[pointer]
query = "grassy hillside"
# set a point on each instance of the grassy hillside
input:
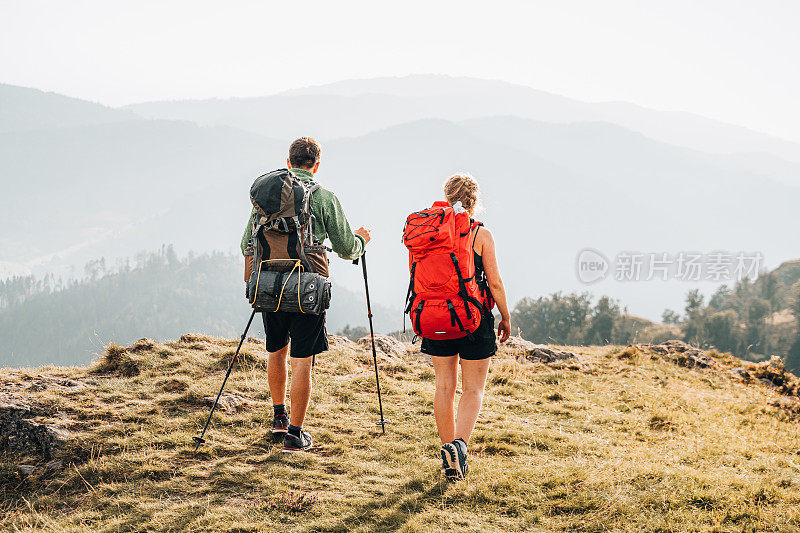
(622, 439)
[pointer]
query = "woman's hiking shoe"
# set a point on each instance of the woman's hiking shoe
(280, 425)
(448, 457)
(454, 460)
(293, 443)
(461, 448)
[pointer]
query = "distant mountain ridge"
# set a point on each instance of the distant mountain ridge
(550, 189)
(25, 108)
(355, 107)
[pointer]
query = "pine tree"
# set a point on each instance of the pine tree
(694, 331)
(793, 357)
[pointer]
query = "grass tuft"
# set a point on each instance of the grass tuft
(118, 360)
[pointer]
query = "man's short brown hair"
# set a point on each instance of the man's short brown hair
(304, 153)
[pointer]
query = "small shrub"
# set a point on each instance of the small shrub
(289, 503)
(117, 360)
(173, 385)
(661, 423)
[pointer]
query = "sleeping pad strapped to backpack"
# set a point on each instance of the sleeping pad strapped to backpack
(444, 300)
(289, 268)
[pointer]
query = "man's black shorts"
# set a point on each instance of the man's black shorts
(307, 332)
(480, 345)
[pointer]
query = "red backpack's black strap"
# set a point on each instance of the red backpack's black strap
(475, 226)
(454, 316)
(462, 284)
(410, 295)
(419, 313)
(418, 223)
(462, 291)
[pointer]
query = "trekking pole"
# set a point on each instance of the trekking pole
(382, 422)
(200, 440)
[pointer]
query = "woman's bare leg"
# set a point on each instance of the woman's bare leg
(446, 370)
(473, 381)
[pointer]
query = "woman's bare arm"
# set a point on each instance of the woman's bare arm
(485, 242)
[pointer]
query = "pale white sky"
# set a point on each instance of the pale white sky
(733, 60)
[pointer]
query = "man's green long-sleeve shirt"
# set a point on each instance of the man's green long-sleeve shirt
(330, 222)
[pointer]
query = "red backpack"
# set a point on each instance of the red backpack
(443, 300)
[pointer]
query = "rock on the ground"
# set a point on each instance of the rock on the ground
(540, 353)
(341, 343)
(50, 466)
(384, 344)
(790, 404)
(773, 374)
(518, 343)
(230, 403)
(25, 430)
(682, 354)
(27, 470)
(50, 382)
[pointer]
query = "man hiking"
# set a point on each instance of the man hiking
(306, 331)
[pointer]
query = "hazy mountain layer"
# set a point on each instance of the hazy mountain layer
(549, 189)
(355, 107)
(24, 108)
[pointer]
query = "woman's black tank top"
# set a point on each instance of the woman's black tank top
(480, 273)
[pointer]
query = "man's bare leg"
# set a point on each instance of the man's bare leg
(300, 391)
(276, 375)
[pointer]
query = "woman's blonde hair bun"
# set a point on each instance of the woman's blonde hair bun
(463, 187)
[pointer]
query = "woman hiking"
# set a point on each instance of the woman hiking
(473, 351)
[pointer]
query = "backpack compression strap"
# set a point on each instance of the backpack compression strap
(411, 295)
(305, 232)
(462, 291)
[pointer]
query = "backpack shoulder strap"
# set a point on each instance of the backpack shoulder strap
(475, 227)
(312, 186)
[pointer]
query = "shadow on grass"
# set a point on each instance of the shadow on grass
(410, 499)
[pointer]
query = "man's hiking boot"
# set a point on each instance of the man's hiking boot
(293, 443)
(454, 460)
(280, 424)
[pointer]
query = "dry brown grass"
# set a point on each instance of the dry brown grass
(635, 443)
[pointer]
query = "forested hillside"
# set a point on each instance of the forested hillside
(47, 320)
(751, 319)
(573, 319)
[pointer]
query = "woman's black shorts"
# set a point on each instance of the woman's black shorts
(481, 344)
